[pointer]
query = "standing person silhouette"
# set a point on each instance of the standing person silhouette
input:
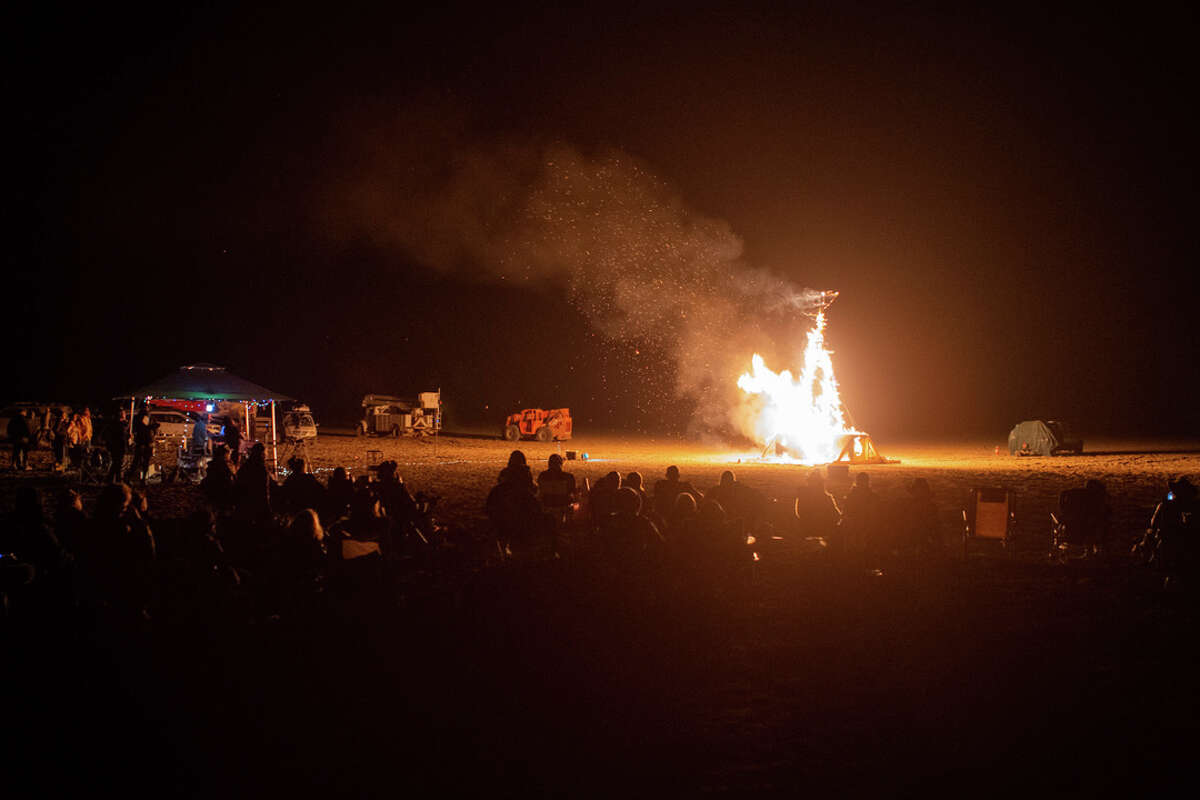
(233, 441)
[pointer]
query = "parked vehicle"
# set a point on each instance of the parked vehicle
(545, 425)
(1037, 437)
(297, 424)
(172, 424)
(386, 415)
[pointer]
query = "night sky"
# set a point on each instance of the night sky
(335, 202)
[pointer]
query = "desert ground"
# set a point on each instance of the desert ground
(461, 469)
(999, 675)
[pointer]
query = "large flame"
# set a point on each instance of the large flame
(803, 416)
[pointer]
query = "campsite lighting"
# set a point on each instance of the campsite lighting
(802, 416)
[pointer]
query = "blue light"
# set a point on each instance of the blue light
(1170, 495)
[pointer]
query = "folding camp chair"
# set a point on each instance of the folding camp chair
(1080, 524)
(191, 463)
(989, 519)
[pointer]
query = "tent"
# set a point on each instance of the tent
(1037, 437)
(210, 382)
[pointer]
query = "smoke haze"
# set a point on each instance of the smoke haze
(638, 263)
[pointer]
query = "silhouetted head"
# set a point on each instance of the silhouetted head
(628, 501)
(555, 461)
(727, 478)
(340, 475)
(673, 473)
(70, 499)
(203, 521)
(113, 501)
(685, 504)
(364, 504)
(307, 525)
(919, 488)
(711, 511)
(1095, 486)
(634, 481)
(816, 480)
(387, 471)
(1183, 489)
(517, 459)
(862, 480)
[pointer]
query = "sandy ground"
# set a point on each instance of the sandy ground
(460, 469)
(991, 677)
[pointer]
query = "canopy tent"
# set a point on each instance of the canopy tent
(208, 382)
(211, 382)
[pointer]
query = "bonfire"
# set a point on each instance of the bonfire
(802, 419)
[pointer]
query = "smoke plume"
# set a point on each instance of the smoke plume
(633, 258)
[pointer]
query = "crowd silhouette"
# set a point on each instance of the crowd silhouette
(271, 549)
(331, 592)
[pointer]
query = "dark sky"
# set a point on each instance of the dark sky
(1006, 203)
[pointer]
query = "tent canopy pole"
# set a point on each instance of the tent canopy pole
(274, 441)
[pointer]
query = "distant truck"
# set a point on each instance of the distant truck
(1036, 437)
(386, 415)
(545, 425)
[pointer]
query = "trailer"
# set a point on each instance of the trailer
(388, 415)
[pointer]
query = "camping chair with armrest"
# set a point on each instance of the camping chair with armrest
(1079, 525)
(989, 519)
(192, 462)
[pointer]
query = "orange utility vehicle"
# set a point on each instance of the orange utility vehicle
(545, 425)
